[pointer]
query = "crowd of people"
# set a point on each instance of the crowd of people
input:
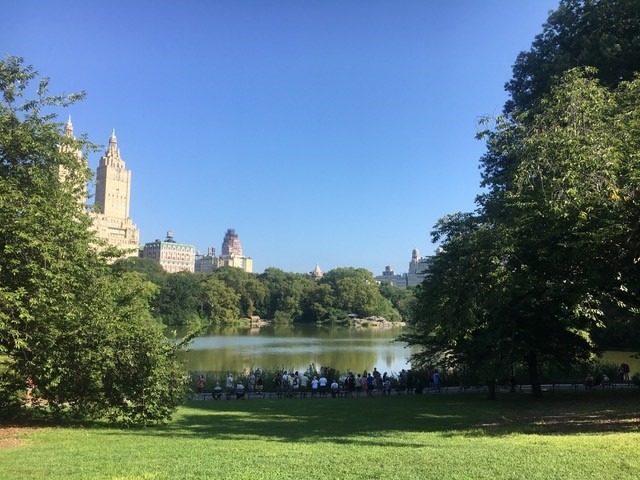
(306, 384)
(288, 384)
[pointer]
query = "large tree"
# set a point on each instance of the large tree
(85, 337)
(528, 277)
(181, 299)
(356, 291)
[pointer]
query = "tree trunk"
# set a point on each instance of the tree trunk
(534, 375)
(492, 389)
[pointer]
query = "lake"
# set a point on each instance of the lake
(296, 346)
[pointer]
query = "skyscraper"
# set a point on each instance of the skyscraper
(231, 244)
(113, 188)
(232, 253)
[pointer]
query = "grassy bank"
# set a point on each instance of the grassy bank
(590, 435)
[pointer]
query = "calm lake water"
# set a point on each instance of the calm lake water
(297, 346)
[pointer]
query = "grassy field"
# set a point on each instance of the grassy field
(565, 436)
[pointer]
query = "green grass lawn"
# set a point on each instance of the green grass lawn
(565, 436)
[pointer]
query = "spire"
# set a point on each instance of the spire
(113, 153)
(68, 129)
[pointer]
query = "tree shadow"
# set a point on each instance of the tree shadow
(387, 421)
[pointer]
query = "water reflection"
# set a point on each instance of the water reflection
(297, 346)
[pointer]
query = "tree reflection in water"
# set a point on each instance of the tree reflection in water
(297, 346)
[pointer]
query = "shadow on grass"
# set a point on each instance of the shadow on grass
(387, 421)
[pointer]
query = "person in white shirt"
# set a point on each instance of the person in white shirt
(322, 385)
(335, 388)
(230, 383)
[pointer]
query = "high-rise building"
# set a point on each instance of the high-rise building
(113, 188)
(206, 263)
(231, 244)
(171, 255)
(232, 253)
(63, 172)
(418, 268)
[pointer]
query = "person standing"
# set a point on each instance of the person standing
(322, 385)
(351, 384)
(230, 386)
(252, 382)
(436, 379)
(304, 383)
(363, 383)
(200, 386)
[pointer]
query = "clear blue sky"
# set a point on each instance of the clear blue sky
(329, 132)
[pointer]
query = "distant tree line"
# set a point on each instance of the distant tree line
(230, 294)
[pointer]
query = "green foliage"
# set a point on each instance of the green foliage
(222, 301)
(253, 293)
(580, 33)
(528, 278)
(229, 294)
(286, 294)
(356, 291)
(85, 337)
(181, 299)
(150, 268)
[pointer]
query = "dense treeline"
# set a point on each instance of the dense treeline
(230, 294)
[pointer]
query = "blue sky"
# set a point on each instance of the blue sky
(325, 132)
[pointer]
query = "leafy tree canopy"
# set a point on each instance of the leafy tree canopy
(84, 336)
(580, 33)
(527, 278)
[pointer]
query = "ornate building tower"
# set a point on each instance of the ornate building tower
(316, 274)
(231, 244)
(113, 182)
(63, 173)
(232, 253)
(113, 188)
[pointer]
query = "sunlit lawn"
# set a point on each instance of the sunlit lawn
(585, 435)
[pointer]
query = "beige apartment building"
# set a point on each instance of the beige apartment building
(113, 191)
